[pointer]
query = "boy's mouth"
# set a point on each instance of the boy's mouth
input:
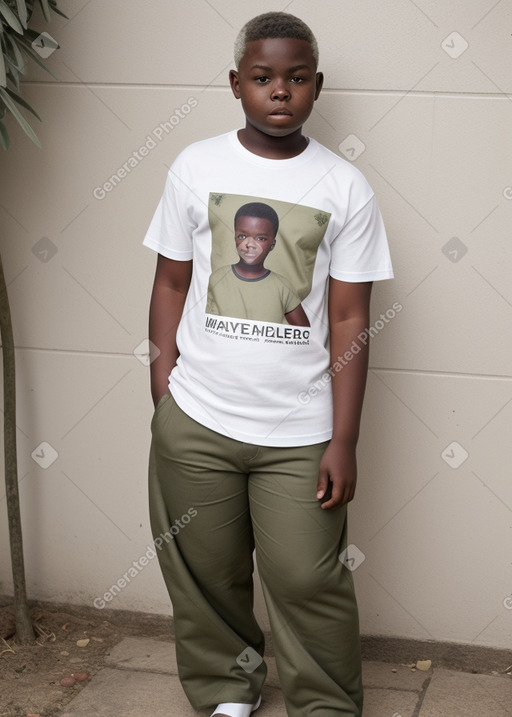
(281, 111)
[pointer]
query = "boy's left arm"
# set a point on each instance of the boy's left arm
(349, 315)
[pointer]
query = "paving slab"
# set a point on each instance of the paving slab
(394, 676)
(150, 655)
(139, 694)
(390, 703)
(141, 679)
(144, 653)
(131, 694)
(460, 694)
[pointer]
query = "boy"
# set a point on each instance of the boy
(238, 290)
(231, 439)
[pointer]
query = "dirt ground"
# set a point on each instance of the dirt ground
(30, 676)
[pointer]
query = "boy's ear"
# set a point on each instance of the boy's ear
(319, 84)
(234, 81)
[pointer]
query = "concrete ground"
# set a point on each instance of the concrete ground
(141, 679)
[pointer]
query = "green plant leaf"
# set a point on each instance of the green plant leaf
(14, 77)
(3, 76)
(12, 73)
(22, 12)
(57, 11)
(4, 137)
(19, 117)
(10, 17)
(20, 62)
(23, 103)
(46, 10)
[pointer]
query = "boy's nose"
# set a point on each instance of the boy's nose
(279, 92)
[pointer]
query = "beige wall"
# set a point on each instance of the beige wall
(436, 132)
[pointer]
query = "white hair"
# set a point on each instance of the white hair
(273, 25)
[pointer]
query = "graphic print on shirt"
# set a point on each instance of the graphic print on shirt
(262, 261)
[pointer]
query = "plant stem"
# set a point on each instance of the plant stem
(24, 630)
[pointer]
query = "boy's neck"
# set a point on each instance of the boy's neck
(265, 145)
(246, 271)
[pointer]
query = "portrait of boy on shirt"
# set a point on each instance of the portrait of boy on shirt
(248, 289)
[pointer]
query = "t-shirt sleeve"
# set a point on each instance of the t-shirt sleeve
(360, 251)
(170, 230)
(290, 299)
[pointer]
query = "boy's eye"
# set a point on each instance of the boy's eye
(241, 236)
(261, 80)
(297, 80)
(261, 238)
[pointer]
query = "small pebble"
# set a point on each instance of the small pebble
(64, 653)
(67, 681)
(424, 665)
(83, 643)
(34, 715)
(75, 660)
(81, 676)
(394, 669)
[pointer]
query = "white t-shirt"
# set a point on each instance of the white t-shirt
(262, 382)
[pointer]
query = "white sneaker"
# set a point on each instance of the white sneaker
(236, 709)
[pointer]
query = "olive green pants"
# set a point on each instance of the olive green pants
(213, 500)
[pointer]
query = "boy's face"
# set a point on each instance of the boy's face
(278, 84)
(254, 238)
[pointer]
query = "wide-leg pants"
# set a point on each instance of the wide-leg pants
(213, 500)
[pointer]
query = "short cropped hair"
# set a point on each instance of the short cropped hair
(261, 211)
(272, 25)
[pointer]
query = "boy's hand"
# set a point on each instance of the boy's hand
(337, 475)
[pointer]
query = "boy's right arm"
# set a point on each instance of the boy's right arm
(172, 280)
